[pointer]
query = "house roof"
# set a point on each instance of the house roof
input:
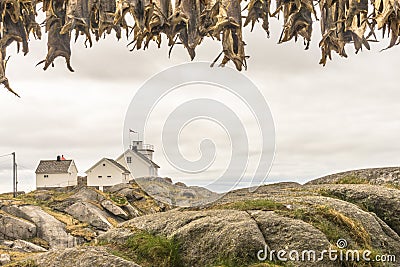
(149, 161)
(113, 162)
(53, 166)
(122, 168)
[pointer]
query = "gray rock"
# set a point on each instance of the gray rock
(384, 202)
(206, 236)
(114, 209)
(48, 227)
(127, 190)
(89, 213)
(87, 194)
(382, 237)
(282, 233)
(177, 194)
(118, 187)
(81, 257)
(376, 176)
(26, 246)
(116, 235)
(4, 259)
(133, 212)
(15, 228)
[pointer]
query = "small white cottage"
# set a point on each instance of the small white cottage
(107, 172)
(56, 173)
(139, 160)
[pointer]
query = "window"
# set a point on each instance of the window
(46, 176)
(104, 164)
(109, 176)
(99, 176)
(128, 159)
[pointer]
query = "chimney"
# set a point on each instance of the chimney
(58, 158)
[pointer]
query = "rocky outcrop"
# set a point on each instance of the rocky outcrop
(384, 202)
(177, 194)
(89, 213)
(15, 228)
(219, 234)
(22, 245)
(131, 191)
(207, 237)
(114, 209)
(81, 257)
(377, 176)
(231, 231)
(48, 228)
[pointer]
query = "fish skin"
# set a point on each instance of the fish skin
(78, 19)
(184, 23)
(58, 45)
(258, 9)
(228, 29)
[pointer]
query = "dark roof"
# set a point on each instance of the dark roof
(53, 166)
(122, 168)
(145, 158)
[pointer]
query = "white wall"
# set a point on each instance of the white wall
(56, 180)
(139, 167)
(108, 170)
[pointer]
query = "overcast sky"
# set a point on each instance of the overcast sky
(328, 119)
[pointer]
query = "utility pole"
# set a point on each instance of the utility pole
(14, 176)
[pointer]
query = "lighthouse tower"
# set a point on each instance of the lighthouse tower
(144, 149)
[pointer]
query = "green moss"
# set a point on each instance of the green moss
(119, 200)
(149, 250)
(256, 204)
(333, 224)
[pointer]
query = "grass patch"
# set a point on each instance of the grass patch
(149, 250)
(14, 254)
(119, 200)
(333, 224)
(72, 225)
(392, 186)
(351, 179)
(112, 221)
(40, 242)
(255, 204)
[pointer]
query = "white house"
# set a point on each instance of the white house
(107, 172)
(56, 173)
(139, 160)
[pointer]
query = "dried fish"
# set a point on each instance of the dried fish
(297, 20)
(78, 19)
(13, 26)
(102, 18)
(386, 17)
(342, 22)
(58, 45)
(141, 11)
(184, 23)
(3, 78)
(258, 9)
(229, 25)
